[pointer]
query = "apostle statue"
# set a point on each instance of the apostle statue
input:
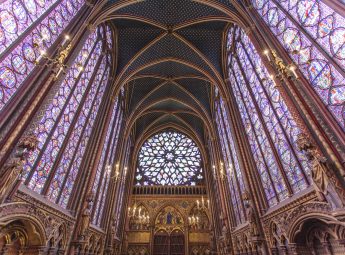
(86, 216)
(319, 169)
(14, 166)
(254, 231)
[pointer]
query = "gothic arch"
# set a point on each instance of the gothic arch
(297, 224)
(160, 226)
(22, 233)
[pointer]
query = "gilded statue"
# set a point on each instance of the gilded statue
(14, 166)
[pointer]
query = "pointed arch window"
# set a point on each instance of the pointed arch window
(22, 25)
(270, 128)
(65, 122)
(313, 34)
(231, 161)
(169, 158)
(107, 159)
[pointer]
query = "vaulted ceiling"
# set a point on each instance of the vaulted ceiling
(169, 57)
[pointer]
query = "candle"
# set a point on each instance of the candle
(59, 72)
(208, 203)
(65, 40)
(267, 53)
(80, 69)
(202, 201)
(293, 70)
(42, 54)
(197, 202)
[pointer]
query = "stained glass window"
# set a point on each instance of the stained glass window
(65, 123)
(270, 128)
(231, 161)
(107, 160)
(314, 36)
(169, 158)
(22, 25)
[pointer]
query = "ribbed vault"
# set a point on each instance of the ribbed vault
(169, 59)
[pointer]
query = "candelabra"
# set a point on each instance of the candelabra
(138, 217)
(221, 175)
(193, 221)
(203, 206)
(116, 177)
(59, 59)
(276, 62)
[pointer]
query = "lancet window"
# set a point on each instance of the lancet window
(24, 25)
(231, 161)
(65, 122)
(270, 128)
(313, 34)
(107, 162)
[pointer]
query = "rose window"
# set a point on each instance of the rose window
(169, 158)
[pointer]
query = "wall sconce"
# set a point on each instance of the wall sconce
(59, 59)
(221, 174)
(193, 221)
(116, 177)
(288, 71)
(203, 206)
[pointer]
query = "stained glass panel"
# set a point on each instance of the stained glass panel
(36, 23)
(77, 134)
(64, 125)
(169, 158)
(53, 146)
(314, 36)
(231, 163)
(56, 103)
(102, 175)
(75, 166)
(270, 128)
